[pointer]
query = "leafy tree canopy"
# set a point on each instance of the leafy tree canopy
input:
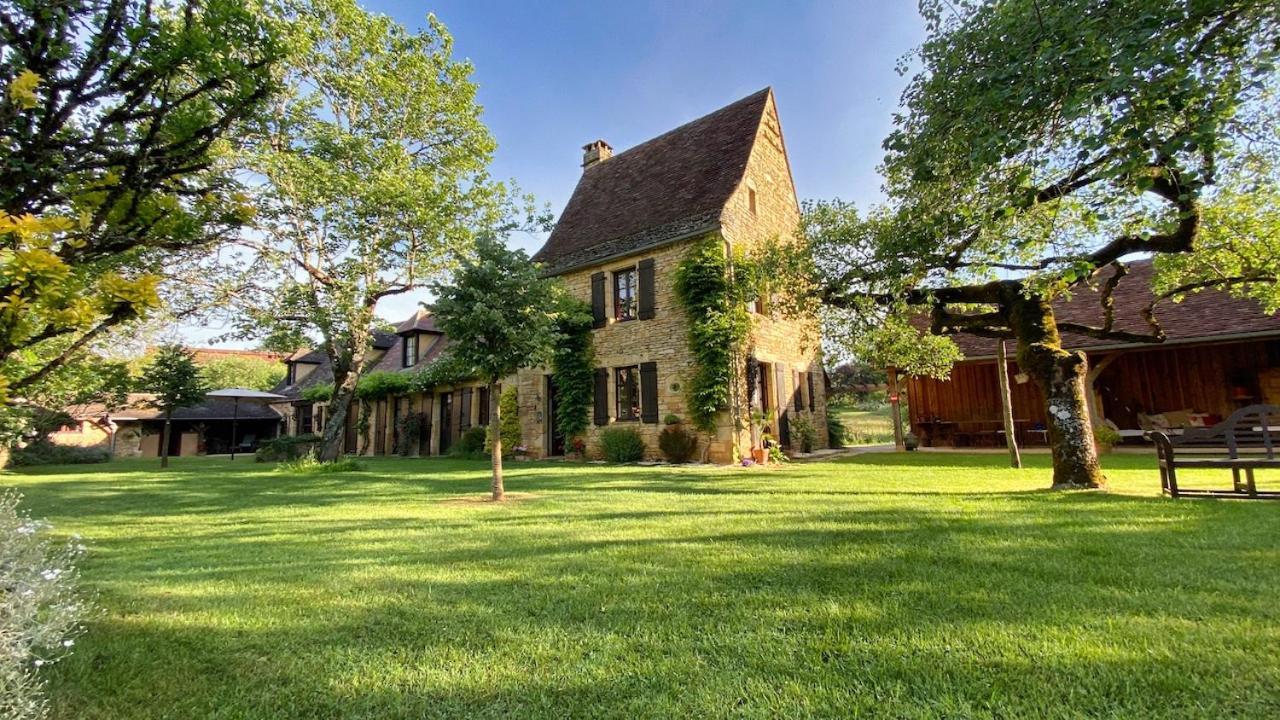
(254, 373)
(375, 168)
(114, 124)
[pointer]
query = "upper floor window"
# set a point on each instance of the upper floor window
(751, 200)
(627, 382)
(625, 294)
(410, 350)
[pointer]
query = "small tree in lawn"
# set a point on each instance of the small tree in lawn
(499, 314)
(175, 380)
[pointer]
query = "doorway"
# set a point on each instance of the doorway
(555, 438)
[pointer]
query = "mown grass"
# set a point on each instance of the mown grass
(884, 585)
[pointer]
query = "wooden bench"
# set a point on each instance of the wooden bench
(1254, 429)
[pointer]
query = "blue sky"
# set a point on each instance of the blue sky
(554, 75)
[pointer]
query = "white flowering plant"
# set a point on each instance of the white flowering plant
(41, 610)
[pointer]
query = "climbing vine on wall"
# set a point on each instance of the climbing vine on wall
(714, 292)
(572, 367)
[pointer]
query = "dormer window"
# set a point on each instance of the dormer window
(409, 351)
(625, 294)
(292, 374)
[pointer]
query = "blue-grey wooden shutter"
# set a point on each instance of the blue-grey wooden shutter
(649, 392)
(645, 268)
(597, 300)
(600, 394)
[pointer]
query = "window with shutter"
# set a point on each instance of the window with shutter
(649, 392)
(647, 298)
(626, 381)
(484, 407)
(624, 294)
(797, 398)
(597, 300)
(600, 395)
(809, 380)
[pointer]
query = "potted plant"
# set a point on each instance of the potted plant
(910, 441)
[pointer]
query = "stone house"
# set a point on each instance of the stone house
(628, 225)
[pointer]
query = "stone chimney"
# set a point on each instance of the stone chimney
(595, 152)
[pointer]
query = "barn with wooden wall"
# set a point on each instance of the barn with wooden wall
(1221, 353)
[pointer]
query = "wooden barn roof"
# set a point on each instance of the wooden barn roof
(1208, 316)
(664, 189)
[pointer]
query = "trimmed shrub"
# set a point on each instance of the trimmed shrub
(287, 447)
(43, 452)
(309, 465)
(471, 444)
(677, 444)
(804, 433)
(621, 445)
(40, 611)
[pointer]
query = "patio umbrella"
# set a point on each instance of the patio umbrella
(237, 394)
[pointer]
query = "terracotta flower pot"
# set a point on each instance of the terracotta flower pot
(760, 455)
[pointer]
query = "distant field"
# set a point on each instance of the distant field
(865, 427)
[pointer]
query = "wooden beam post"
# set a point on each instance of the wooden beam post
(899, 438)
(1006, 406)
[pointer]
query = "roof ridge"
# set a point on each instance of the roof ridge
(722, 109)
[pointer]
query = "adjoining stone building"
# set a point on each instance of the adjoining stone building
(632, 219)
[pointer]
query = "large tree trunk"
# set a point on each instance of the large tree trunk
(495, 435)
(164, 439)
(340, 405)
(1060, 377)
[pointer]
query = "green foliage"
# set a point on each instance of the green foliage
(718, 326)
(1105, 436)
(621, 445)
(114, 127)
(286, 447)
(444, 370)
(319, 393)
(804, 434)
(571, 367)
(498, 312)
(243, 372)
(174, 378)
(677, 444)
(383, 384)
(671, 419)
(308, 464)
(408, 430)
(43, 452)
(471, 443)
(837, 433)
(510, 423)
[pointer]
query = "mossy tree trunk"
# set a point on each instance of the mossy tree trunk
(1060, 375)
(345, 380)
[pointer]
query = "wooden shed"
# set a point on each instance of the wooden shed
(1221, 353)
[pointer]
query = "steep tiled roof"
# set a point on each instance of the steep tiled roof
(1202, 317)
(667, 188)
(421, 321)
(324, 371)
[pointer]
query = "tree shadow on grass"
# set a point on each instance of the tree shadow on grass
(1037, 610)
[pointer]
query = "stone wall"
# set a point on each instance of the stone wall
(661, 340)
(791, 343)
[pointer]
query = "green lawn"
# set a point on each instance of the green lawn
(894, 586)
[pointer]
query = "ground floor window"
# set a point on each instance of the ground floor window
(305, 418)
(627, 383)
